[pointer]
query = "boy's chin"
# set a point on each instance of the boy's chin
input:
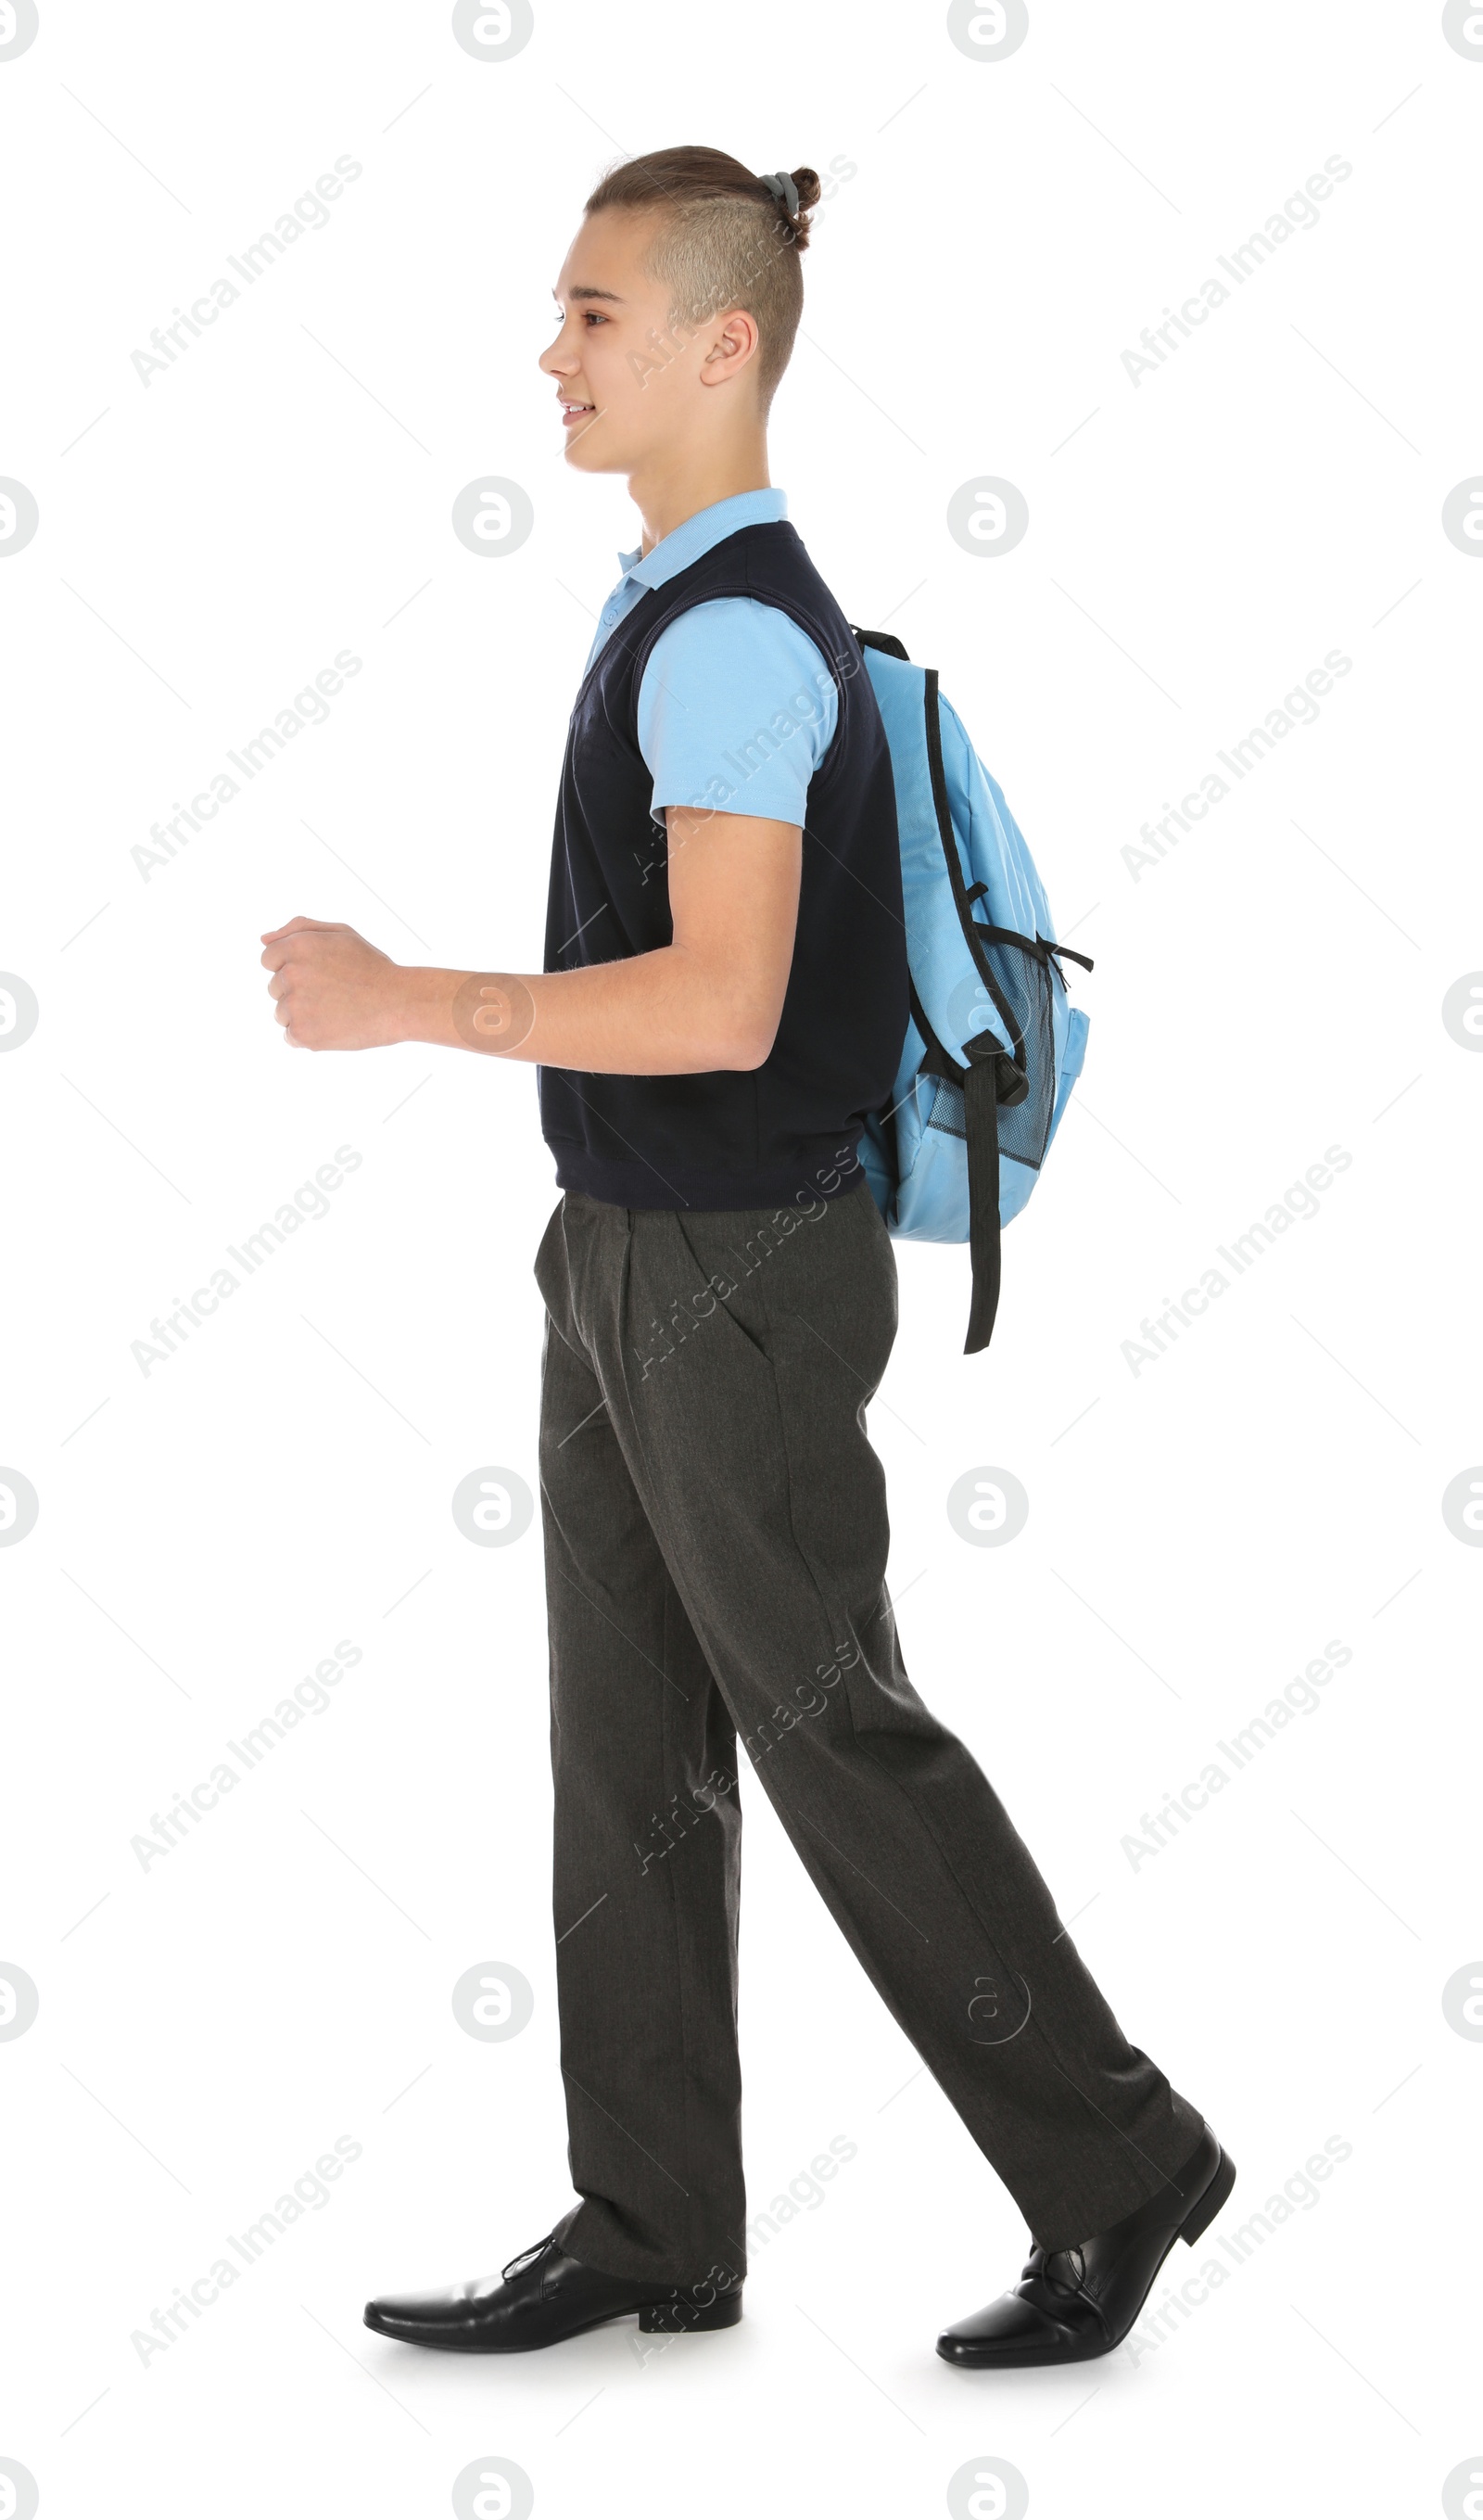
(591, 450)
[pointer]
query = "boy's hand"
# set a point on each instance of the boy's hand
(333, 990)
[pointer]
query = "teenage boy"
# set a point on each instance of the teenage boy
(723, 1003)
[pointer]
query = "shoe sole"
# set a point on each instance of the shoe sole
(1200, 2215)
(679, 2319)
(655, 2319)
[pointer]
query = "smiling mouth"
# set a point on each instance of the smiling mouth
(575, 410)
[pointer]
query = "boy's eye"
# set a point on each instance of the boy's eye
(592, 316)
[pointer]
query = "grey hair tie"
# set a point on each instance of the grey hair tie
(782, 189)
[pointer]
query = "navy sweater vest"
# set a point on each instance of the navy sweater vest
(789, 1129)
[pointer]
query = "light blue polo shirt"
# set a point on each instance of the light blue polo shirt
(736, 706)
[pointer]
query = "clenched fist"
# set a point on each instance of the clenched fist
(333, 990)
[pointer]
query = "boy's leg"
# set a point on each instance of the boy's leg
(647, 1856)
(732, 1358)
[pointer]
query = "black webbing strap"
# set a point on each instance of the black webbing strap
(991, 1077)
(1039, 946)
(980, 1108)
(1068, 954)
(884, 640)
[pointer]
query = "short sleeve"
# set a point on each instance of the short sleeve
(736, 709)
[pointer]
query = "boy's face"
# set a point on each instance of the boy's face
(629, 388)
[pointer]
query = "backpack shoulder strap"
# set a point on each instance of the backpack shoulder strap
(881, 640)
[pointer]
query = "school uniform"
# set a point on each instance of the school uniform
(721, 1302)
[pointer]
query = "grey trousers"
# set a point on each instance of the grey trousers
(717, 1535)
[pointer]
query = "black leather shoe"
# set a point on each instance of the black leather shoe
(542, 2296)
(1071, 2305)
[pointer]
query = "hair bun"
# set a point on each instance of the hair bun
(793, 196)
(808, 187)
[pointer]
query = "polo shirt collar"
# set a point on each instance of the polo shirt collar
(701, 533)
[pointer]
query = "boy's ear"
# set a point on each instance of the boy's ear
(733, 347)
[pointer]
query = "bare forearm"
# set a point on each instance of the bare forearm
(662, 1013)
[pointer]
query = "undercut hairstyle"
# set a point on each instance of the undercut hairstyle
(721, 240)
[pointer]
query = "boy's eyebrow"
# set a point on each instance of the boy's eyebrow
(611, 294)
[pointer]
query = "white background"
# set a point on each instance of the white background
(1198, 1530)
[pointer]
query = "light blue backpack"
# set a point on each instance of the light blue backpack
(993, 1047)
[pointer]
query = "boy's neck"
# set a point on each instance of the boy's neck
(671, 490)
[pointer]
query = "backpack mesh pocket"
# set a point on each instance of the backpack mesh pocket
(945, 1111)
(1022, 979)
